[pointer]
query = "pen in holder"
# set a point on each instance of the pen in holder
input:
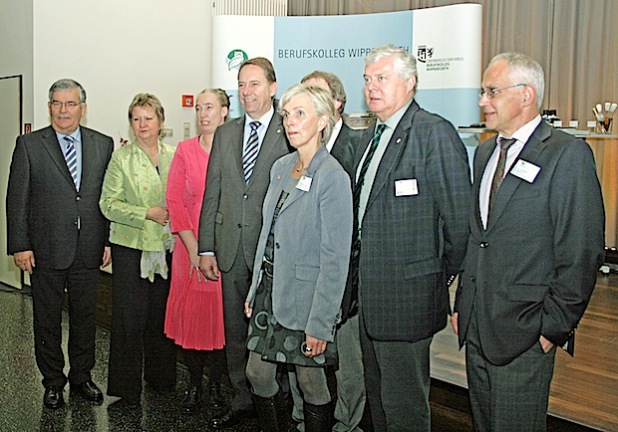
(604, 114)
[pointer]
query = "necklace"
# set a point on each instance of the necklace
(299, 168)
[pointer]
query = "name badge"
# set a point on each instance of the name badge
(525, 170)
(407, 187)
(304, 183)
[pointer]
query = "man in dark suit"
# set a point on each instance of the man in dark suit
(537, 234)
(57, 234)
(243, 152)
(351, 396)
(411, 197)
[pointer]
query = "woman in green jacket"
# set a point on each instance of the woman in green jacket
(133, 199)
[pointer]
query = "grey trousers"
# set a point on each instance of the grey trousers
(398, 383)
(512, 397)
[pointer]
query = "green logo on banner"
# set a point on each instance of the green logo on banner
(235, 58)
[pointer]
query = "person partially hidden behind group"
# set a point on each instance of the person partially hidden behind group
(194, 316)
(133, 199)
(301, 264)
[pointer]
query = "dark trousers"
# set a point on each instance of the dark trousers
(398, 382)
(48, 289)
(195, 360)
(512, 397)
(138, 316)
(235, 284)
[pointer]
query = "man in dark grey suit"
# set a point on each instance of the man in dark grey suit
(243, 152)
(411, 198)
(57, 233)
(537, 235)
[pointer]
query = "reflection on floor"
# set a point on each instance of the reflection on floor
(585, 387)
(21, 392)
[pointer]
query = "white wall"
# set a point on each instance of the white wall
(16, 49)
(118, 48)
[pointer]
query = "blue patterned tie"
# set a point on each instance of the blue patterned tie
(71, 157)
(250, 153)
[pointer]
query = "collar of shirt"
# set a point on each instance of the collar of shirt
(77, 139)
(264, 120)
(523, 133)
(394, 120)
(334, 135)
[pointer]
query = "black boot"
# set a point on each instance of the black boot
(191, 399)
(317, 417)
(215, 398)
(266, 412)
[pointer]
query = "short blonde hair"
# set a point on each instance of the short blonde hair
(322, 101)
(148, 100)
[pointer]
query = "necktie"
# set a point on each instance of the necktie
(250, 152)
(373, 145)
(71, 157)
(505, 143)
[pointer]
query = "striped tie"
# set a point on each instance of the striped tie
(71, 157)
(250, 153)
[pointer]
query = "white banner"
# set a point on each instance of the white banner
(445, 40)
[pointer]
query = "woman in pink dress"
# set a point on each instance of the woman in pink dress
(194, 316)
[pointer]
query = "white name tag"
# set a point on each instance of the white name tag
(304, 183)
(525, 170)
(406, 187)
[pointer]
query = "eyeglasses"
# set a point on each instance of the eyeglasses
(493, 92)
(68, 105)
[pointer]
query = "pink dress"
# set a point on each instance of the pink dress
(194, 315)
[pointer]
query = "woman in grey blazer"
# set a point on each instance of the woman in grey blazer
(301, 262)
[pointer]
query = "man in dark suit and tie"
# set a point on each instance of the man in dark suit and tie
(536, 243)
(411, 203)
(57, 234)
(243, 152)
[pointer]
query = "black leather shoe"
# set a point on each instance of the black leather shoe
(215, 398)
(231, 418)
(88, 390)
(192, 397)
(53, 397)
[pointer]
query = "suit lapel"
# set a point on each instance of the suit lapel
(341, 139)
(237, 139)
(529, 153)
(272, 137)
(88, 156)
(317, 160)
(481, 159)
(51, 144)
(393, 152)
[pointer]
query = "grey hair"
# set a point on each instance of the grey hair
(524, 69)
(67, 84)
(333, 82)
(404, 63)
(322, 101)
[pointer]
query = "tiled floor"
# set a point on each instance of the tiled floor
(21, 392)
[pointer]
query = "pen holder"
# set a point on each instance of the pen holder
(605, 126)
(604, 114)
